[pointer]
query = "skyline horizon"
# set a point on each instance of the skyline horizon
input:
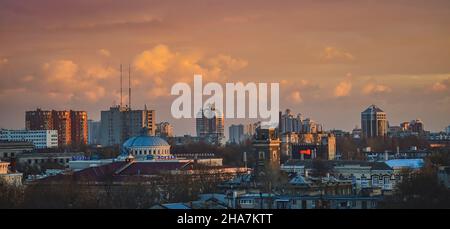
(332, 59)
(236, 121)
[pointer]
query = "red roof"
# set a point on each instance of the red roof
(151, 168)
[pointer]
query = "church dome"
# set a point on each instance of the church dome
(145, 141)
(144, 145)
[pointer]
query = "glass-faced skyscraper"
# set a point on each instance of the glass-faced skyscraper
(374, 122)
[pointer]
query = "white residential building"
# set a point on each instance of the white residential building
(40, 138)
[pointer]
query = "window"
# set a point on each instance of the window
(261, 155)
(386, 180)
(375, 181)
(245, 201)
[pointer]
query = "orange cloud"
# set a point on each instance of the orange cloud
(440, 86)
(343, 89)
(332, 53)
(295, 97)
(104, 52)
(3, 61)
(373, 88)
(163, 67)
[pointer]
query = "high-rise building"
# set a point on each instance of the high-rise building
(374, 122)
(290, 123)
(210, 126)
(41, 139)
(79, 127)
(61, 122)
(447, 130)
(38, 120)
(164, 129)
(236, 133)
(250, 130)
(297, 124)
(93, 132)
(71, 125)
(416, 126)
(120, 123)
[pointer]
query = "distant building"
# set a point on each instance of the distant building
(211, 130)
(62, 159)
(324, 148)
(93, 132)
(79, 127)
(236, 133)
(267, 148)
(362, 174)
(11, 149)
(120, 123)
(447, 130)
(411, 153)
(145, 146)
(374, 122)
(164, 129)
(41, 139)
(290, 123)
(416, 126)
(357, 133)
(297, 124)
(184, 140)
(71, 125)
(250, 130)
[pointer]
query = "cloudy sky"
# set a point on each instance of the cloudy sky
(332, 58)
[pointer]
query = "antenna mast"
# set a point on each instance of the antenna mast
(129, 86)
(120, 85)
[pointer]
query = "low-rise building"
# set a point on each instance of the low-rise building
(274, 201)
(362, 174)
(62, 159)
(11, 149)
(41, 139)
(8, 177)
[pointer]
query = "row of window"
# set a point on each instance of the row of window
(148, 151)
(55, 160)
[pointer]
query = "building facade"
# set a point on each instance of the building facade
(210, 125)
(71, 125)
(164, 129)
(374, 122)
(41, 139)
(236, 133)
(11, 149)
(93, 132)
(267, 147)
(79, 127)
(120, 123)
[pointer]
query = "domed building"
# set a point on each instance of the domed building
(144, 145)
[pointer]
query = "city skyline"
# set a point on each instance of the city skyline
(332, 60)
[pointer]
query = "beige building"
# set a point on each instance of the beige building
(8, 177)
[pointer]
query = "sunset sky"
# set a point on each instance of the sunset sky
(332, 58)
